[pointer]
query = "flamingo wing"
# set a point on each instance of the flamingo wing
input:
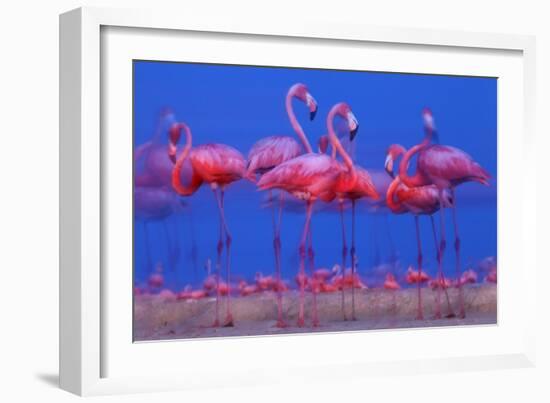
(269, 152)
(309, 173)
(364, 186)
(218, 163)
(449, 166)
(419, 200)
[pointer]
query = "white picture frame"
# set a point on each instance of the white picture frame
(84, 298)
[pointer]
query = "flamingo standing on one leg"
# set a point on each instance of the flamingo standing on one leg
(353, 189)
(272, 151)
(421, 200)
(445, 167)
(312, 176)
(217, 165)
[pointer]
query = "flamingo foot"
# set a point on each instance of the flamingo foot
(229, 321)
(216, 323)
(437, 315)
(301, 322)
(315, 323)
(462, 314)
(281, 324)
(419, 316)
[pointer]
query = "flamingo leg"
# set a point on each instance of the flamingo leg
(177, 242)
(462, 313)
(169, 246)
(419, 314)
(219, 250)
(441, 277)
(302, 253)
(439, 270)
(228, 239)
(311, 258)
(171, 250)
(344, 255)
(148, 260)
(353, 260)
(393, 255)
(277, 250)
(194, 251)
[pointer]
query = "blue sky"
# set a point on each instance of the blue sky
(237, 105)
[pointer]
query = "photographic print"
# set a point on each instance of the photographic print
(277, 200)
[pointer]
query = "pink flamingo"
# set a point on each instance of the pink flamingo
(218, 165)
(272, 151)
(311, 176)
(153, 167)
(353, 189)
(445, 167)
(421, 200)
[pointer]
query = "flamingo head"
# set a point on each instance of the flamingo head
(301, 92)
(323, 144)
(394, 151)
(344, 110)
(428, 117)
(174, 134)
(167, 114)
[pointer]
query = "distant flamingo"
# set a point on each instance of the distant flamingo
(218, 165)
(445, 167)
(414, 276)
(421, 200)
(468, 277)
(272, 151)
(312, 176)
(152, 166)
(492, 276)
(156, 204)
(390, 283)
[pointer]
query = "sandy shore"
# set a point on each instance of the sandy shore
(157, 318)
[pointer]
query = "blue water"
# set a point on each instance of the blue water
(238, 105)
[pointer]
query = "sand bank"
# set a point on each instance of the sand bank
(158, 318)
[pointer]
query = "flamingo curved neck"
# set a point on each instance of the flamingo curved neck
(337, 146)
(417, 179)
(294, 122)
(394, 206)
(178, 186)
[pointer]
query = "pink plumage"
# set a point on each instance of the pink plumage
(306, 177)
(218, 163)
(271, 151)
(447, 166)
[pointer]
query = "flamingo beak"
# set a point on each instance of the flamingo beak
(312, 114)
(312, 104)
(353, 126)
(353, 133)
(388, 165)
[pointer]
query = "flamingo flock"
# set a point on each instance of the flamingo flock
(287, 167)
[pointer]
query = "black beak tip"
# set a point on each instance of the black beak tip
(312, 114)
(172, 158)
(353, 133)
